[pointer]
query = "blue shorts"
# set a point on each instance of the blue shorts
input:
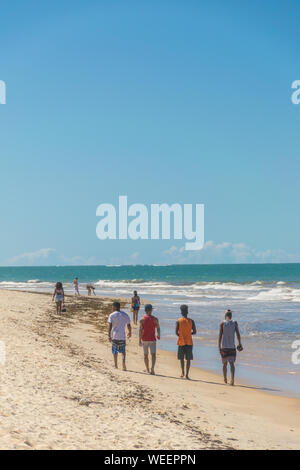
(118, 346)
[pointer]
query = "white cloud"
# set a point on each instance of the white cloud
(227, 252)
(32, 258)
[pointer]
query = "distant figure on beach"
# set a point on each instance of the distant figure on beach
(228, 330)
(185, 328)
(148, 325)
(135, 306)
(76, 286)
(90, 289)
(59, 296)
(118, 321)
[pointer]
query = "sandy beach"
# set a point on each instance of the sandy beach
(60, 391)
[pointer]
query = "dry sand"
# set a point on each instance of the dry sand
(59, 390)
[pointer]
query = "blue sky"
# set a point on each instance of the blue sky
(162, 101)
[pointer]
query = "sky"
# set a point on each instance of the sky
(165, 101)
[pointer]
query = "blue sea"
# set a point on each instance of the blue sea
(265, 299)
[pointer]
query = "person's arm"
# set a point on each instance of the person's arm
(157, 327)
(220, 336)
(109, 330)
(129, 330)
(194, 330)
(63, 293)
(54, 294)
(177, 328)
(238, 333)
(139, 301)
(141, 332)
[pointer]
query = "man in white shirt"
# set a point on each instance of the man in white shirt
(117, 322)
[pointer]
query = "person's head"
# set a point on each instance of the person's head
(184, 310)
(116, 306)
(228, 315)
(148, 309)
(58, 285)
(135, 293)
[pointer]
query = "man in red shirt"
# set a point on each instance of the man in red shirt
(148, 325)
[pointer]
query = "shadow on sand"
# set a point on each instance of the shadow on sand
(221, 384)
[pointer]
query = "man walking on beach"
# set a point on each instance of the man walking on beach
(228, 329)
(147, 337)
(118, 321)
(185, 328)
(135, 305)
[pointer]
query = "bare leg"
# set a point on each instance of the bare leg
(232, 371)
(57, 308)
(153, 361)
(146, 360)
(188, 365)
(182, 367)
(116, 360)
(225, 372)
(124, 361)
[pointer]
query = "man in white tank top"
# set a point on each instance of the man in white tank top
(228, 330)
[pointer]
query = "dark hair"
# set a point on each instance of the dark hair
(184, 309)
(58, 285)
(116, 305)
(135, 291)
(228, 314)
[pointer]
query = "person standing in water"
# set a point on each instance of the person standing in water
(135, 306)
(185, 328)
(148, 325)
(76, 286)
(59, 296)
(228, 330)
(117, 322)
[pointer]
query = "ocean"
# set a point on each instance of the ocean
(264, 298)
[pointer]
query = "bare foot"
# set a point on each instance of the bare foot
(124, 368)
(182, 375)
(152, 372)
(232, 383)
(187, 377)
(225, 381)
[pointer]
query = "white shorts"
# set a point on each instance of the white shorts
(149, 345)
